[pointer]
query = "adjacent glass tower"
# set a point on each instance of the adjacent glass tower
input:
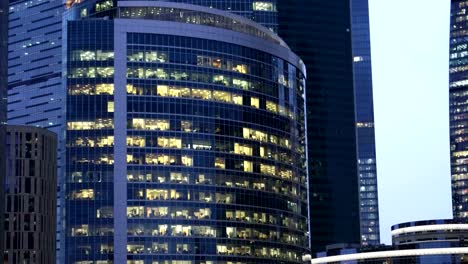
(459, 107)
(36, 94)
(186, 138)
(367, 168)
(332, 151)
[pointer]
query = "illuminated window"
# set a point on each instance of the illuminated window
(178, 177)
(104, 5)
(150, 124)
(201, 144)
(153, 56)
(160, 159)
(203, 231)
(270, 106)
(268, 169)
(84, 194)
(105, 72)
(263, 6)
(110, 107)
(88, 125)
(201, 94)
(179, 76)
(156, 212)
(217, 63)
(186, 126)
(104, 55)
(204, 213)
(83, 55)
(83, 73)
(259, 186)
(135, 211)
(135, 249)
(273, 139)
(242, 84)
(82, 230)
(105, 88)
(242, 68)
(221, 79)
(285, 174)
(163, 90)
(135, 262)
(135, 56)
(254, 134)
(79, 89)
(160, 248)
(205, 196)
(187, 161)
(106, 249)
(136, 141)
(180, 230)
(222, 96)
(183, 248)
(169, 142)
(248, 166)
(156, 73)
(255, 102)
(220, 163)
(243, 149)
(156, 194)
(237, 99)
(224, 198)
(203, 179)
(179, 92)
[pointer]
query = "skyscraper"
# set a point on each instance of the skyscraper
(458, 107)
(35, 90)
(186, 137)
(31, 200)
(320, 33)
(367, 167)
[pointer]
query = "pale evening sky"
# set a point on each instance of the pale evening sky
(410, 49)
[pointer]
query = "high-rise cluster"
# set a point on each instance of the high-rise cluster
(182, 125)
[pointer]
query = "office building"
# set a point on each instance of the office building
(424, 242)
(332, 154)
(31, 201)
(335, 55)
(36, 94)
(367, 167)
(458, 107)
(186, 138)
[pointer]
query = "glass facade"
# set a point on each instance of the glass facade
(331, 119)
(330, 160)
(182, 150)
(35, 89)
(458, 107)
(263, 12)
(367, 167)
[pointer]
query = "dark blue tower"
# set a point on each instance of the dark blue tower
(367, 168)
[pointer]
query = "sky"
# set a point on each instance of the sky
(410, 52)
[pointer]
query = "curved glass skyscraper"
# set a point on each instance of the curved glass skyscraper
(186, 139)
